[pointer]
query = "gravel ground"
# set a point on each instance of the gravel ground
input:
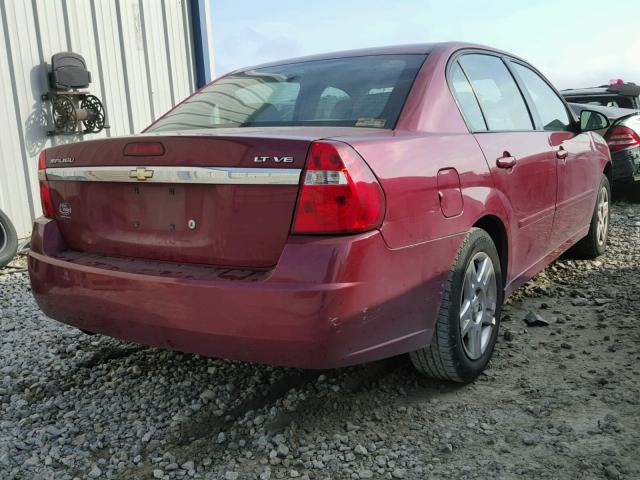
(558, 402)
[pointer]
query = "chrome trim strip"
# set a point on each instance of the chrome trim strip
(198, 175)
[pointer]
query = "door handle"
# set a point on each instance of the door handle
(506, 161)
(561, 153)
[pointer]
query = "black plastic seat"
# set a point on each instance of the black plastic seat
(68, 71)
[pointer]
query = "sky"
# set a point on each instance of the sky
(575, 43)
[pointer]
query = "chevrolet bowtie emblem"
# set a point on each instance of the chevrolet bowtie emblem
(141, 174)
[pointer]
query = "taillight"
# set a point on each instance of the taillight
(45, 191)
(339, 193)
(622, 138)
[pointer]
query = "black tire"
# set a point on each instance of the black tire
(447, 357)
(8, 240)
(595, 244)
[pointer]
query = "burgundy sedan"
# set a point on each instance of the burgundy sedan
(325, 211)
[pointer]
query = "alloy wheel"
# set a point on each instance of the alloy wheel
(478, 305)
(602, 208)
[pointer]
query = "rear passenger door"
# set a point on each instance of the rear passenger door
(577, 165)
(523, 167)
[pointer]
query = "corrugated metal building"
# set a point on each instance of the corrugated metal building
(144, 57)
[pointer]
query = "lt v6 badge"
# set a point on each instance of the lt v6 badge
(273, 159)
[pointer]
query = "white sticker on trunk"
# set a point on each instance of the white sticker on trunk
(64, 209)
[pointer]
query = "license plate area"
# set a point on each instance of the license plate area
(161, 208)
(223, 225)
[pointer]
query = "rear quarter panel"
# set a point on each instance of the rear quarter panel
(407, 167)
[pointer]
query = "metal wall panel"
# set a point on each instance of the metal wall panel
(139, 52)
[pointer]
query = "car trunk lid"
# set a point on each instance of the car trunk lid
(219, 199)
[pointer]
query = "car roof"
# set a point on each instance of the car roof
(629, 89)
(415, 49)
(586, 91)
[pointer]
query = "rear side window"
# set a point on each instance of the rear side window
(550, 108)
(499, 96)
(357, 91)
(466, 99)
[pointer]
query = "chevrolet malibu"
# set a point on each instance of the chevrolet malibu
(326, 211)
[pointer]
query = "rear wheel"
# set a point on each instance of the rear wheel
(8, 240)
(595, 243)
(467, 325)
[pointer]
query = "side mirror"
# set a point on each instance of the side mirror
(591, 120)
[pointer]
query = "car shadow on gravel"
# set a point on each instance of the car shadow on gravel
(357, 384)
(109, 354)
(626, 193)
(361, 379)
(207, 424)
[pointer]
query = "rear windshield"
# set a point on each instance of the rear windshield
(357, 92)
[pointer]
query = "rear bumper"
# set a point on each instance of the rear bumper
(329, 302)
(626, 165)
